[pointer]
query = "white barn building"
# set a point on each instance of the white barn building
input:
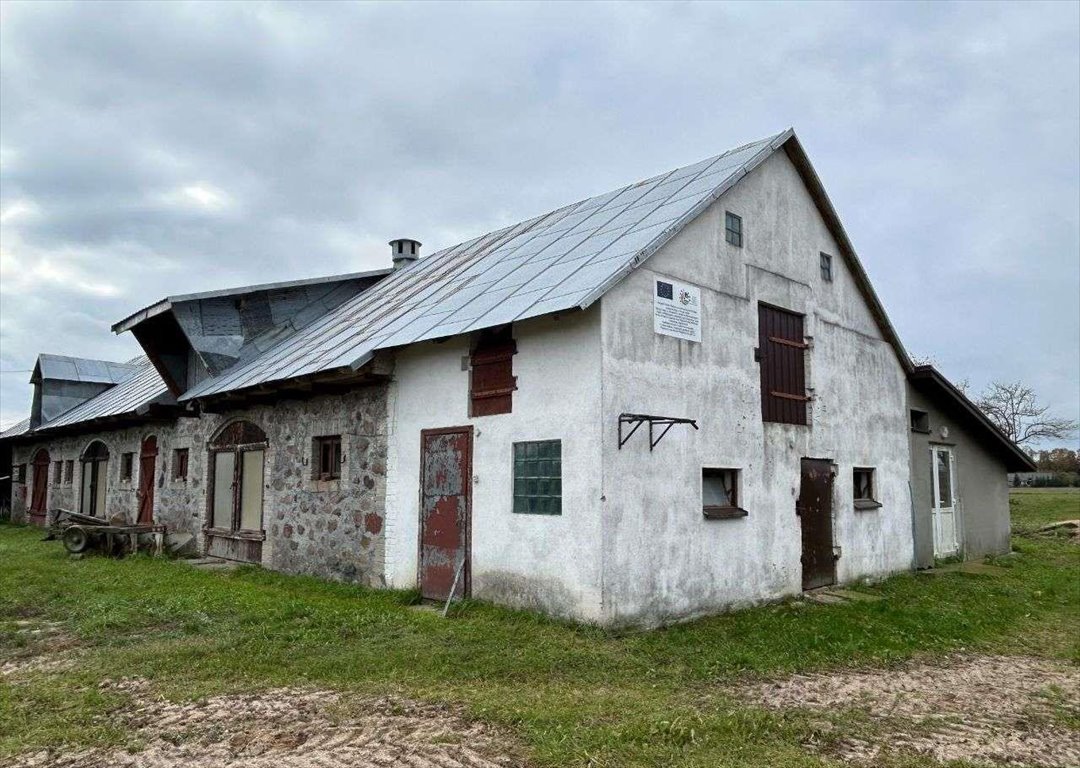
(666, 401)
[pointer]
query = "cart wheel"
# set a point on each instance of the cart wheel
(76, 540)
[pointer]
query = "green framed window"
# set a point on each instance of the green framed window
(538, 477)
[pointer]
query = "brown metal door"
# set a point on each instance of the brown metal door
(147, 461)
(814, 508)
(40, 492)
(445, 510)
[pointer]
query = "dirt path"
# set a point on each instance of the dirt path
(997, 709)
(289, 728)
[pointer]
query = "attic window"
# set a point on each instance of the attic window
(733, 229)
(920, 421)
(826, 267)
(491, 373)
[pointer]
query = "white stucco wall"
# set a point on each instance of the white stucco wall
(545, 562)
(662, 559)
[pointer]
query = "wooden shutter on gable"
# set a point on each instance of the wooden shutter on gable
(491, 379)
(782, 355)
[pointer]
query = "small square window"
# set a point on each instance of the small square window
(720, 494)
(327, 452)
(733, 229)
(180, 463)
(863, 480)
(58, 472)
(826, 267)
(69, 471)
(538, 477)
(920, 421)
(127, 465)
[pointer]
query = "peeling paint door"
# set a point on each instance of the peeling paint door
(445, 510)
(40, 490)
(943, 497)
(814, 508)
(147, 465)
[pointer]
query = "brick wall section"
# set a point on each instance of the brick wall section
(333, 529)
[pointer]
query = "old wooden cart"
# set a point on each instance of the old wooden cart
(80, 533)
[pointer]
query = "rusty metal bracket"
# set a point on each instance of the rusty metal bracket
(654, 422)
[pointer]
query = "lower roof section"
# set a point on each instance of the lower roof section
(930, 381)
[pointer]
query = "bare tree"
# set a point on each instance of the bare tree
(963, 384)
(1014, 408)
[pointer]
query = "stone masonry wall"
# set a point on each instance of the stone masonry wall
(332, 529)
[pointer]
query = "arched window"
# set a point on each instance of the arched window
(95, 465)
(236, 479)
(40, 489)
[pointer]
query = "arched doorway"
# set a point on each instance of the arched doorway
(95, 466)
(147, 466)
(39, 494)
(234, 527)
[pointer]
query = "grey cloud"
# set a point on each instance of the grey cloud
(948, 136)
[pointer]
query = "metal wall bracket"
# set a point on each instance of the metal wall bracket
(654, 422)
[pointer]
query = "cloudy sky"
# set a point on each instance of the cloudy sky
(148, 150)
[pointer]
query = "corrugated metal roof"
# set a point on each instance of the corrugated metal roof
(561, 260)
(63, 368)
(16, 429)
(142, 387)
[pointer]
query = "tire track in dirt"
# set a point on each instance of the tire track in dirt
(1009, 710)
(289, 728)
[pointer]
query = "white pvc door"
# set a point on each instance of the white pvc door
(943, 475)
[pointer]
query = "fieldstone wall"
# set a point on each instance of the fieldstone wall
(332, 529)
(120, 493)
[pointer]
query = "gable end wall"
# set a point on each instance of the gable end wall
(662, 559)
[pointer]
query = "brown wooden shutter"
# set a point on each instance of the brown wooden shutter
(491, 380)
(781, 353)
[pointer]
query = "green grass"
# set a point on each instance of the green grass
(1033, 507)
(574, 695)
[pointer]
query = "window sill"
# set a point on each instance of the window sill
(315, 485)
(230, 534)
(723, 513)
(862, 505)
(922, 431)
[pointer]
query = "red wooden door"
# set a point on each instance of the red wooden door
(39, 494)
(445, 511)
(814, 508)
(147, 463)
